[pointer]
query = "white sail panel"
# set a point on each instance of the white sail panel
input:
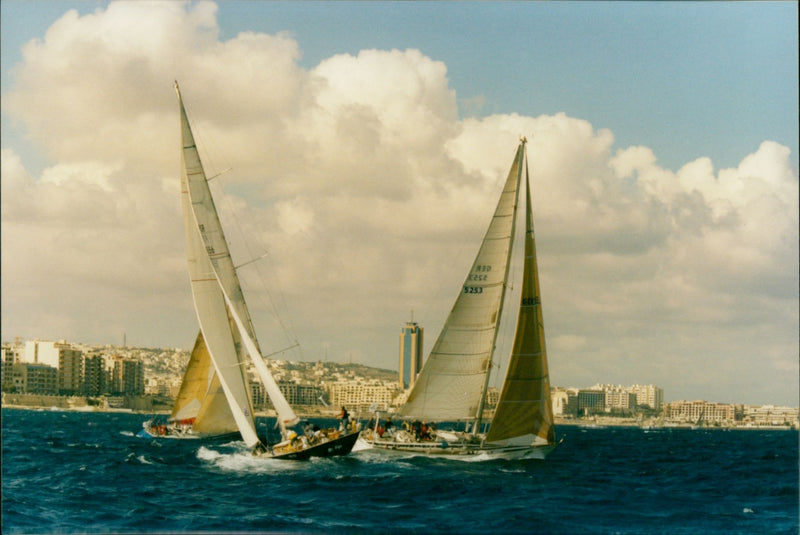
(210, 305)
(454, 376)
(286, 415)
(524, 413)
(208, 298)
(216, 247)
(209, 226)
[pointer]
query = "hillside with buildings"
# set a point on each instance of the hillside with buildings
(47, 373)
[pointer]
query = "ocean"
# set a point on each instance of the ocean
(71, 472)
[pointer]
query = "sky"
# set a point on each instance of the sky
(362, 147)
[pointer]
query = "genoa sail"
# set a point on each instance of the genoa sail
(524, 413)
(201, 397)
(454, 378)
(286, 415)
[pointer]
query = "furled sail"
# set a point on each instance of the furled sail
(201, 396)
(454, 376)
(221, 337)
(524, 413)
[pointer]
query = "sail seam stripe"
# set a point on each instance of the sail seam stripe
(470, 329)
(461, 354)
(524, 380)
(460, 374)
(491, 285)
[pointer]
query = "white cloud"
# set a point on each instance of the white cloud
(370, 194)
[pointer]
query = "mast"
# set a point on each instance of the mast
(479, 416)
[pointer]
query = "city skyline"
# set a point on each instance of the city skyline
(662, 148)
(160, 363)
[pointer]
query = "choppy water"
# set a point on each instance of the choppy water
(65, 472)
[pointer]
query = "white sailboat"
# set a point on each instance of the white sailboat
(454, 380)
(201, 409)
(225, 320)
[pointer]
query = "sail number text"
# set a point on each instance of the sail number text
(478, 275)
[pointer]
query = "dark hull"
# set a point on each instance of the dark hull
(333, 448)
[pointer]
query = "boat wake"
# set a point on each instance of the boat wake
(241, 460)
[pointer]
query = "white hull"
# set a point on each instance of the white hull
(456, 450)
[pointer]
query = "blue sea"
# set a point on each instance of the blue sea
(69, 472)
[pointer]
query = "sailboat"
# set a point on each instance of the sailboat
(454, 381)
(225, 320)
(201, 408)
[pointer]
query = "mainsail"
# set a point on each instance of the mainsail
(203, 233)
(225, 322)
(524, 410)
(217, 253)
(201, 397)
(454, 378)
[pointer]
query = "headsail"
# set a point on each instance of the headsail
(201, 396)
(220, 335)
(286, 415)
(524, 410)
(454, 376)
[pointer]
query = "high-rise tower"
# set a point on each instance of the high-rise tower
(410, 353)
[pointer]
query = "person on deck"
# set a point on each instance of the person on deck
(389, 427)
(344, 416)
(423, 432)
(415, 427)
(308, 431)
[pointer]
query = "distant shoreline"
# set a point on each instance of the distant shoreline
(588, 423)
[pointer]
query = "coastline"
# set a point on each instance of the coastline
(598, 422)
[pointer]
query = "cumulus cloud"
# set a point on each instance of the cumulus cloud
(369, 193)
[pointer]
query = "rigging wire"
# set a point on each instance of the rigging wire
(270, 303)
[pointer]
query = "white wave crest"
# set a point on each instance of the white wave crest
(242, 461)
